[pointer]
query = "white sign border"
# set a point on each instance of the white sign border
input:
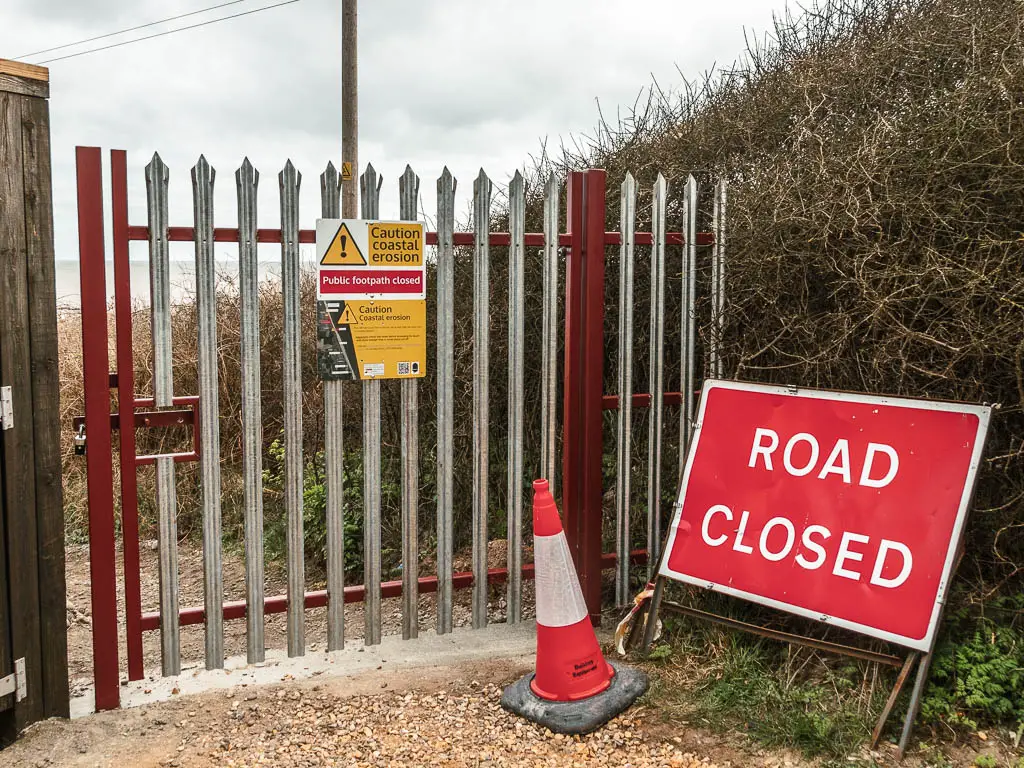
(924, 644)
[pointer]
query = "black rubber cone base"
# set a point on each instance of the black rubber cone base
(582, 716)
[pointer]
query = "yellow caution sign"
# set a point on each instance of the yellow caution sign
(343, 250)
(346, 171)
(389, 338)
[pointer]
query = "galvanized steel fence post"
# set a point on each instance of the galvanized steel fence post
(203, 177)
(408, 194)
(657, 374)
(689, 319)
(334, 458)
(717, 365)
(247, 180)
(516, 343)
(289, 181)
(549, 335)
(370, 187)
(481, 363)
(624, 443)
(163, 394)
(445, 394)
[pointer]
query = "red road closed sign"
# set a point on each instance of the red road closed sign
(840, 507)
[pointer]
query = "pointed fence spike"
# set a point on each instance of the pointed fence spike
(446, 179)
(330, 186)
(203, 171)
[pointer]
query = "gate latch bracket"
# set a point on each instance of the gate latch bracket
(6, 408)
(15, 682)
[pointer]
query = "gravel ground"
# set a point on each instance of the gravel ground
(448, 716)
(463, 727)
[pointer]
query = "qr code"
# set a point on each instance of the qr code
(403, 369)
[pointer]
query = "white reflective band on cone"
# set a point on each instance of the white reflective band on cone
(559, 597)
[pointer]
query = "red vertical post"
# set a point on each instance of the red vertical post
(99, 455)
(584, 371)
(571, 416)
(126, 407)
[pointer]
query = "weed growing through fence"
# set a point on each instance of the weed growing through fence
(314, 512)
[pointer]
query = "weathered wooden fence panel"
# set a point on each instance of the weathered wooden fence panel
(33, 640)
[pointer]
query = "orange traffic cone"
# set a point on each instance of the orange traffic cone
(574, 690)
(570, 665)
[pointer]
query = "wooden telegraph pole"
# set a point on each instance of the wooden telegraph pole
(349, 111)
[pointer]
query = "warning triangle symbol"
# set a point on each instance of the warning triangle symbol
(343, 249)
(348, 316)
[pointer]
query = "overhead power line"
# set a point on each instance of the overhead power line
(168, 32)
(131, 29)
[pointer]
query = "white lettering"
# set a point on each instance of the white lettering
(790, 538)
(787, 456)
(869, 457)
(840, 452)
(764, 450)
(845, 554)
(883, 550)
(738, 545)
(809, 543)
(717, 540)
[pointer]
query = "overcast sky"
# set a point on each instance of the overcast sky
(467, 83)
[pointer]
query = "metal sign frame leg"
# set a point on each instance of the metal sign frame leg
(901, 679)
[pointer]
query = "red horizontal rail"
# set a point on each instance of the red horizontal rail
(532, 239)
(356, 594)
(193, 455)
(611, 402)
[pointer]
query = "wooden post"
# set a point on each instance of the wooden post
(32, 499)
(350, 108)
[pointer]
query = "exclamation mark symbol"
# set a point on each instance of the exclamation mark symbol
(343, 241)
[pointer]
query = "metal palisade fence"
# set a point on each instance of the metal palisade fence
(552, 249)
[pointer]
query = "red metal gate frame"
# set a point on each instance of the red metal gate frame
(585, 241)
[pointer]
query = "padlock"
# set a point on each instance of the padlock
(80, 441)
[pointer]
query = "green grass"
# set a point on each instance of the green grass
(780, 696)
